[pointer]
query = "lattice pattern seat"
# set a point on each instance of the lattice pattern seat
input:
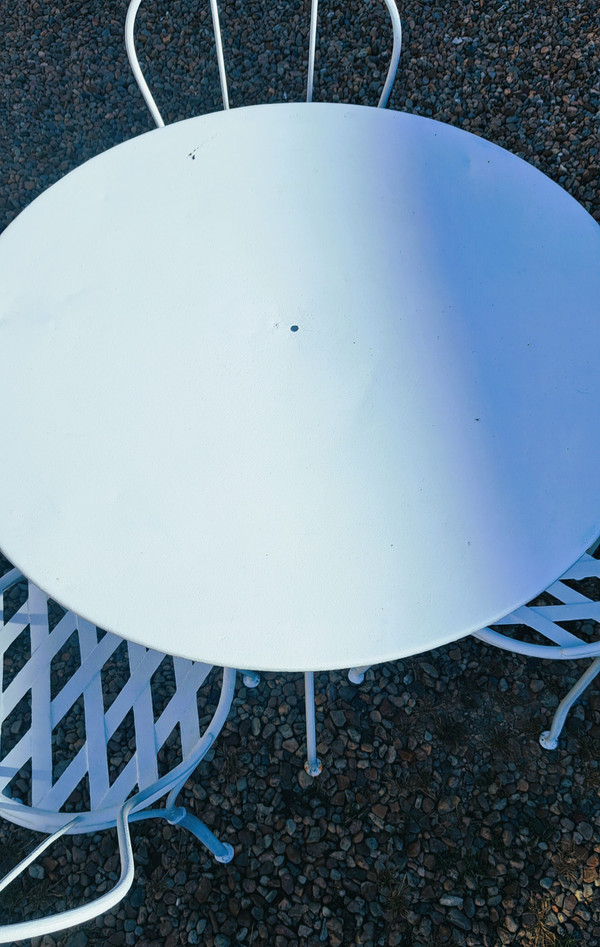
(575, 597)
(87, 725)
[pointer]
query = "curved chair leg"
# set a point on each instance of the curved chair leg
(59, 922)
(221, 851)
(549, 738)
(357, 675)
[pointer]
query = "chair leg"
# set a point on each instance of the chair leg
(221, 851)
(313, 765)
(250, 678)
(549, 738)
(357, 675)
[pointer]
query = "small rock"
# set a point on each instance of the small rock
(459, 920)
(287, 883)
(137, 897)
(78, 939)
(203, 891)
(304, 779)
(448, 803)
(452, 900)
(293, 855)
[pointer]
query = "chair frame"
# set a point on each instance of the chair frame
(567, 647)
(111, 804)
(544, 619)
(148, 98)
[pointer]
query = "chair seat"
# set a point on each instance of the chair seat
(95, 729)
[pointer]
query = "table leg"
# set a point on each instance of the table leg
(313, 765)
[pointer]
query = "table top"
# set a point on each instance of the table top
(300, 387)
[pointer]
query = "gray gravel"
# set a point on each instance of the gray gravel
(438, 818)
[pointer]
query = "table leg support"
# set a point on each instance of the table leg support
(313, 765)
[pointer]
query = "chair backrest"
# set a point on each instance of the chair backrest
(143, 86)
(78, 706)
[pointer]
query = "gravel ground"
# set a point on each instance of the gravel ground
(438, 818)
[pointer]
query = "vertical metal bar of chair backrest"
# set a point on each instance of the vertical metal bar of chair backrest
(135, 65)
(394, 59)
(148, 98)
(312, 43)
(220, 59)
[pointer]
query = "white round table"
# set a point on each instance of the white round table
(299, 386)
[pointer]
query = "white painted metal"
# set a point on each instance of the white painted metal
(313, 765)
(149, 100)
(214, 9)
(312, 48)
(132, 10)
(543, 619)
(395, 57)
(357, 675)
(110, 805)
(549, 738)
(410, 465)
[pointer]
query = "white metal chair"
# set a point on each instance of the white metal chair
(570, 605)
(139, 78)
(61, 674)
